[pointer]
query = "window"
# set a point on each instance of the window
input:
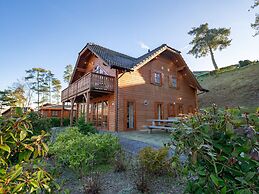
(99, 70)
(174, 82)
(54, 113)
(157, 77)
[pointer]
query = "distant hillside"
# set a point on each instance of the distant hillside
(238, 87)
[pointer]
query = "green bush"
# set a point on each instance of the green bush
(39, 122)
(222, 149)
(154, 161)
(55, 122)
(79, 151)
(20, 151)
(84, 127)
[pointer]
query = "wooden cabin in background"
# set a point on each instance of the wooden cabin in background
(11, 111)
(54, 110)
(118, 92)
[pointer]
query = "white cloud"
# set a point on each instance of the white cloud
(143, 45)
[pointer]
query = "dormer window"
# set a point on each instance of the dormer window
(99, 70)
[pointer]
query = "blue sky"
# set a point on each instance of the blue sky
(49, 34)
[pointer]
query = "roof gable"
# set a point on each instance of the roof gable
(121, 61)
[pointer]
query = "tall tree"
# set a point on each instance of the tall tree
(49, 79)
(56, 89)
(68, 73)
(255, 25)
(6, 99)
(206, 41)
(37, 81)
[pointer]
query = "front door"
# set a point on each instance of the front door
(158, 110)
(130, 115)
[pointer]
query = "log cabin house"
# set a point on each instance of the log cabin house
(54, 110)
(118, 92)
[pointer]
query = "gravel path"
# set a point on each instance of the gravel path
(133, 146)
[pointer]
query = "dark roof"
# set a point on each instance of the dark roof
(119, 60)
(54, 106)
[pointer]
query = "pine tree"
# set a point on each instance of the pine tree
(206, 41)
(68, 73)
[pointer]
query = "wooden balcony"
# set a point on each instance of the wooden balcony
(89, 82)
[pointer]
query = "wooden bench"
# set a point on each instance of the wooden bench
(160, 127)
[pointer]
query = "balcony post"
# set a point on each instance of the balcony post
(72, 112)
(62, 114)
(87, 99)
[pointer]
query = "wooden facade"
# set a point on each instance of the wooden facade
(55, 111)
(118, 92)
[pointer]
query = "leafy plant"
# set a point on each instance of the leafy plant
(141, 177)
(119, 161)
(92, 184)
(39, 122)
(85, 127)
(80, 150)
(154, 161)
(19, 154)
(222, 149)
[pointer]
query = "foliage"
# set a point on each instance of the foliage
(19, 154)
(56, 84)
(79, 151)
(207, 40)
(154, 161)
(6, 98)
(141, 177)
(43, 82)
(39, 122)
(68, 73)
(85, 127)
(222, 149)
(55, 121)
(92, 184)
(255, 25)
(119, 161)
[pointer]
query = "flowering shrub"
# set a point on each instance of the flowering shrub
(19, 154)
(222, 149)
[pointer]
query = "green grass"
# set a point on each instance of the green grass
(232, 88)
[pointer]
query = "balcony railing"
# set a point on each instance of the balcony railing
(89, 82)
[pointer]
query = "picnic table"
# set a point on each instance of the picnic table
(163, 124)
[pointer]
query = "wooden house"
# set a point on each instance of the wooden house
(54, 110)
(11, 111)
(118, 92)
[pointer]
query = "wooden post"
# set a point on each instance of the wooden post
(87, 100)
(72, 112)
(117, 102)
(77, 111)
(62, 114)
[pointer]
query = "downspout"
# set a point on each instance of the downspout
(117, 100)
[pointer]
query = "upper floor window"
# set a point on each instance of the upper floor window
(174, 82)
(158, 78)
(99, 70)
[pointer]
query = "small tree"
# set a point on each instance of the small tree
(255, 25)
(206, 41)
(68, 73)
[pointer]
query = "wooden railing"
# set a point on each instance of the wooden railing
(89, 82)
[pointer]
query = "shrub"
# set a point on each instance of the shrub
(85, 127)
(222, 149)
(39, 122)
(92, 184)
(119, 161)
(19, 155)
(244, 63)
(154, 161)
(79, 151)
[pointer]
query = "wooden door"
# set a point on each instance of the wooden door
(130, 115)
(159, 113)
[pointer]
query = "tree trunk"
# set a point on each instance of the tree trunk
(213, 59)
